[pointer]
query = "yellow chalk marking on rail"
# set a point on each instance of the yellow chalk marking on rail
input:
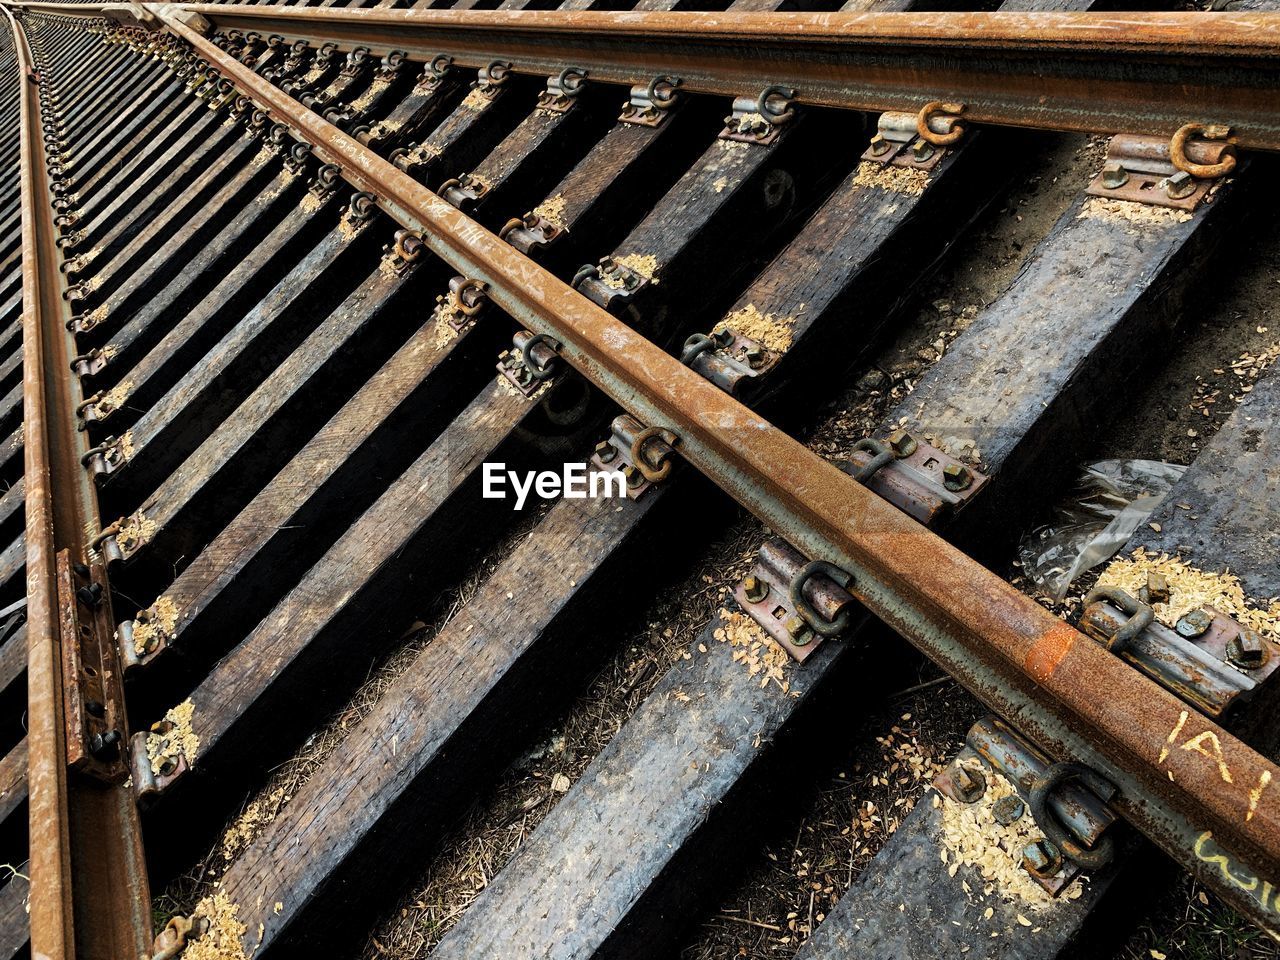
(1196, 745)
(1255, 794)
(1173, 735)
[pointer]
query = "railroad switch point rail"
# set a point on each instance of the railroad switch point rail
(412, 406)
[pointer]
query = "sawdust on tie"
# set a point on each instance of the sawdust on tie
(767, 329)
(178, 740)
(971, 835)
(888, 177)
(1191, 589)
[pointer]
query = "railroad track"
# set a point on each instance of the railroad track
(289, 279)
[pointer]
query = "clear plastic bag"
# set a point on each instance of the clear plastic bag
(1113, 498)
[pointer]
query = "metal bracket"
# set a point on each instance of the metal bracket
(92, 691)
(916, 477)
(406, 250)
(465, 191)
(798, 602)
(530, 232)
(465, 301)
(432, 74)
(326, 182)
(355, 63)
(1209, 660)
(727, 358)
(1141, 169)
(148, 782)
(107, 456)
(88, 364)
(609, 281)
(530, 363)
(898, 143)
(562, 91)
(490, 81)
(642, 455)
(1068, 802)
(650, 104)
(759, 120)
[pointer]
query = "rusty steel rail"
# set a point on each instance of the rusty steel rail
(89, 894)
(1085, 72)
(1193, 788)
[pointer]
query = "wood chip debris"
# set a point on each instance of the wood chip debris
(268, 194)
(962, 448)
(310, 202)
(476, 100)
(179, 741)
(365, 100)
(509, 388)
(888, 177)
(113, 398)
(552, 211)
(772, 332)
(972, 836)
(1128, 212)
(257, 814)
(1191, 589)
(444, 333)
(224, 938)
(161, 623)
(349, 228)
(645, 264)
(135, 531)
(754, 649)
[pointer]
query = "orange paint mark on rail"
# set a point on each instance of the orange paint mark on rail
(1047, 652)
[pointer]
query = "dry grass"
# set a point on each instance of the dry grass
(1192, 924)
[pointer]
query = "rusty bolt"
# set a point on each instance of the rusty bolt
(902, 443)
(1008, 809)
(755, 588)
(633, 476)
(1041, 858)
(922, 151)
(1114, 175)
(1194, 624)
(605, 451)
(970, 785)
(1246, 650)
(755, 358)
(799, 631)
(1156, 590)
(879, 145)
(1179, 186)
(956, 476)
